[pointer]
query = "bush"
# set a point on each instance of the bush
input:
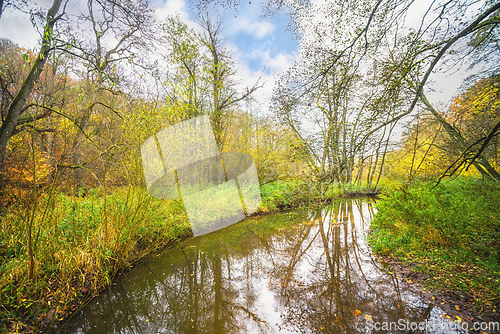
(286, 194)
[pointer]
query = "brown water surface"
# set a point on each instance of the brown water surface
(301, 271)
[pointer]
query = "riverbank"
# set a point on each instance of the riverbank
(81, 243)
(446, 239)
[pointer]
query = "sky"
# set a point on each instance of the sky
(261, 48)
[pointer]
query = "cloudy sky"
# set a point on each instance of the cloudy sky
(259, 47)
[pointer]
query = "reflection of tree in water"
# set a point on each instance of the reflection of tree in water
(338, 285)
(269, 275)
(197, 296)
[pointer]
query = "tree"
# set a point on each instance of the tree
(184, 87)
(16, 107)
(374, 34)
(203, 79)
(474, 117)
(339, 110)
(16, 4)
(119, 33)
(220, 73)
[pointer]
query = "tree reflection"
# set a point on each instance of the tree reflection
(305, 271)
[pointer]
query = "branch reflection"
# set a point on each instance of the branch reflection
(298, 271)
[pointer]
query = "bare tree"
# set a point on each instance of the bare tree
(16, 107)
(221, 72)
(108, 35)
(375, 33)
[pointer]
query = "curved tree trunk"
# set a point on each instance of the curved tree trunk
(481, 164)
(16, 107)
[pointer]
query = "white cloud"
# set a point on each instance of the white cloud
(172, 8)
(274, 65)
(278, 64)
(176, 8)
(258, 29)
(17, 27)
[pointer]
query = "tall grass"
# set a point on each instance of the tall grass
(286, 194)
(80, 244)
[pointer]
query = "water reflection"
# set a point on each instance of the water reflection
(298, 271)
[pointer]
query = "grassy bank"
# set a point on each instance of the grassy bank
(80, 243)
(450, 233)
(279, 195)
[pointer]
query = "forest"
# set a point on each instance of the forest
(351, 117)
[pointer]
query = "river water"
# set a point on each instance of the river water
(300, 271)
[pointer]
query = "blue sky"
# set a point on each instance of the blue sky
(255, 43)
(268, 36)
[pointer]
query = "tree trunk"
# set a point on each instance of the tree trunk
(368, 176)
(359, 178)
(17, 105)
(455, 135)
(383, 158)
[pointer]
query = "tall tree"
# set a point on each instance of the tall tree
(184, 84)
(204, 80)
(220, 70)
(109, 35)
(476, 123)
(375, 33)
(16, 107)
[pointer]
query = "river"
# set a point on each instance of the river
(299, 271)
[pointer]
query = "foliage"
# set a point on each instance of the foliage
(448, 143)
(421, 154)
(443, 230)
(476, 114)
(75, 211)
(80, 245)
(286, 194)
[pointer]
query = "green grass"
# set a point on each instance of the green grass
(80, 244)
(287, 194)
(451, 232)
